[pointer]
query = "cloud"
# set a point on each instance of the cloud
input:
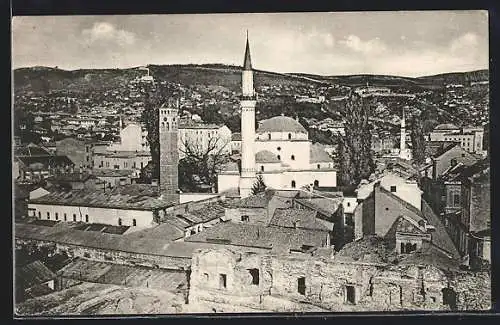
(371, 47)
(466, 42)
(106, 32)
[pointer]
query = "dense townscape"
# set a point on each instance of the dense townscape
(215, 188)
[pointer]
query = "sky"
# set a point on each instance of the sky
(411, 43)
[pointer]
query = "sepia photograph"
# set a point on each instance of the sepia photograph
(188, 164)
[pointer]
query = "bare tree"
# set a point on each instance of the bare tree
(201, 162)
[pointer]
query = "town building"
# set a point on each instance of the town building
(80, 152)
(470, 138)
(132, 138)
(279, 150)
(199, 138)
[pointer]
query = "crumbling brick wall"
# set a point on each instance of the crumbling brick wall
(330, 284)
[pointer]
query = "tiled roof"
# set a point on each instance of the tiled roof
(34, 273)
(437, 148)
(265, 156)
(99, 172)
(325, 206)
(46, 161)
(133, 196)
(287, 217)
(71, 177)
(260, 200)
(240, 234)
(123, 154)
(448, 126)
(236, 136)
(318, 154)
(280, 124)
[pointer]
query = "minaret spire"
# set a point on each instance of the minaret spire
(247, 64)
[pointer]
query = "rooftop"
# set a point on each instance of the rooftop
(326, 206)
(437, 148)
(52, 161)
(132, 196)
(260, 200)
(271, 237)
(280, 124)
(34, 273)
(306, 219)
(71, 177)
(100, 172)
(447, 126)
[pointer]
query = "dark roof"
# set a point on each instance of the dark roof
(100, 172)
(46, 161)
(480, 168)
(286, 217)
(71, 177)
(236, 136)
(31, 150)
(403, 203)
(326, 206)
(448, 126)
(437, 148)
(132, 196)
(34, 273)
(260, 200)
(240, 234)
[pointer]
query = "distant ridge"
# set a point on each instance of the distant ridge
(42, 79)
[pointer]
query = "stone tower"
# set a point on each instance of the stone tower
(248, 102)
(169, 155)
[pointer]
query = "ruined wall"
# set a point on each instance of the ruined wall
(305, 283)
(119, 257)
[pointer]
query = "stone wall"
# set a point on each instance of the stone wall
(301, 282)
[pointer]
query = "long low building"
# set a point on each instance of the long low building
(132, 205)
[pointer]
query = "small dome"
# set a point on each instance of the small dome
(265, 156)
(281, 124)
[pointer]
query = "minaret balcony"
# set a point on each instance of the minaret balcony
(246, 97)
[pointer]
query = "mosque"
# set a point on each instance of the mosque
(279, 150)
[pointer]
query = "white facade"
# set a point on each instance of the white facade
(92, 214)
(279, 151)
(199, 137)
(404, 189)
(470, 138)
(132, 138)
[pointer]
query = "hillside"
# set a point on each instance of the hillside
(44, 79)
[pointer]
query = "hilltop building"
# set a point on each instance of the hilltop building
(280, 150)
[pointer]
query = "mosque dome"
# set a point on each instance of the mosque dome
(281, 124)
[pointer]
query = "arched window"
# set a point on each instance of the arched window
(279, 148)
(319, 166)
(134, 222)
(289, 136)
(292, 157)
(269, 136)
(279, 157)
(39, 215)
(316, 183)
(293, 184)
(65, 217)
(119, 221)
(86, 218)
(74, 217)
(48, 215)
(262, 168)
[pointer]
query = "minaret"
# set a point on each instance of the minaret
(248, 102)
(402, 144)
(169, 155)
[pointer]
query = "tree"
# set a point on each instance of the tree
(417, 140)
(355, 155)
(153, 100)
(202, 162)
(259, 186)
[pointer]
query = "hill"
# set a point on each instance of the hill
(45, 79)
